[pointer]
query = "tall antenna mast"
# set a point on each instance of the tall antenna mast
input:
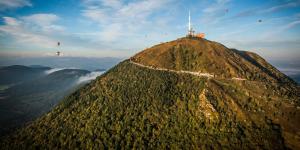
(189, 22)
(190, 30)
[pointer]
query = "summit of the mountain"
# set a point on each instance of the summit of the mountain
(204, 56)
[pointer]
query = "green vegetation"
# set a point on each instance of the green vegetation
(134, 107)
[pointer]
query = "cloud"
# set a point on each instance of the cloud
(281, 7)
(291, 25)
(53, 70)
(12, 4)
(264, 10)
(41, 19)
(275, 33)
(214, 12)
(106, 3)
(112, 32)
(118, 20)
(96, 15)
(11, 21)
(45, 22)
(33, 30)
(89, 77)
(216, 6)
(247, 13)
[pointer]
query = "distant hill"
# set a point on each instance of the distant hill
(189, 93)
(17, 73)
(31, 98)
(39, 67)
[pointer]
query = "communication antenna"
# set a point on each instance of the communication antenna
(189, 30)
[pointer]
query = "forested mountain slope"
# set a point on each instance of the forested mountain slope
(132, 106)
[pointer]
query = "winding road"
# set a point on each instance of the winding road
(199, 74)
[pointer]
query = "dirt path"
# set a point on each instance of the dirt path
(199, 74)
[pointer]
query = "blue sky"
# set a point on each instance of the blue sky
(120, 28)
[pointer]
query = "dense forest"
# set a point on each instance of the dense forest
(134, 107)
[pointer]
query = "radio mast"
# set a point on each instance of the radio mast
(191, 32)
(190, 29)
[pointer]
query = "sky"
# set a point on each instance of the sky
(121, 28)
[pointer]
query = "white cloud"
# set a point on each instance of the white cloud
(291, 25)
(213, 13)
(117, 20)
(11, 21)
(106, 3)
(281, 7)
(33, 30)
(112, 3)
(89, 77)
(111, 33)
(96, 15)
(276, 33)
(216, 6)
(264, 10)
(41, 19)
(11, 4)
(53, 70)
(45, 22)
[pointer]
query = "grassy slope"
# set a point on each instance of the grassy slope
(130, 106)
(211, 57)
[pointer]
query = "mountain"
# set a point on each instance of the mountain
(30, 99)
(189, 93)
(15, 74)
(39, 67)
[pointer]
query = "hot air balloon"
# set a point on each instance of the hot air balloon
(58, 53)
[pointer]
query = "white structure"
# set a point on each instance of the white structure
(189, 22)
(190, 29)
